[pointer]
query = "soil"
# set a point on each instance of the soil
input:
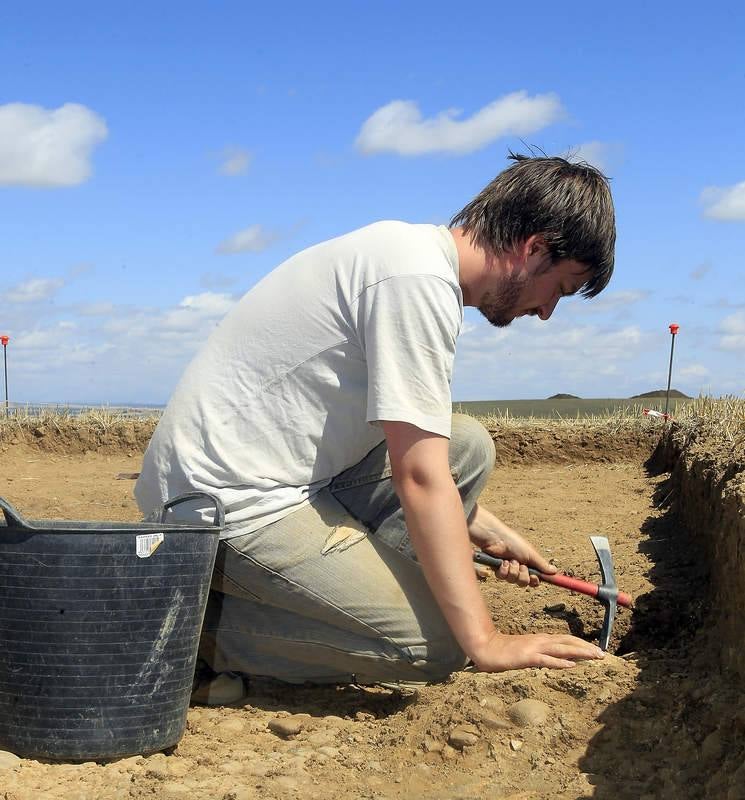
(642, 723)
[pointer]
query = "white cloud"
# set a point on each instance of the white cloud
(700, 271)
(47, 147)
(34, 290)
(616, 300)
(120, 354)
(724, 203)
(535, 345)
(532, 358)
(602, 155)
(399, 127)
(195, 315)
(95, 309)
(692, 371)
(725, 302)
(733, 332)
(195, 310)
(49, 339)
(253, 239)
(235, 161)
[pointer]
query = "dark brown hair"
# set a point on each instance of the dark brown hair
(568, 204)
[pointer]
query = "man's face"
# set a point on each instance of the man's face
(534, 288)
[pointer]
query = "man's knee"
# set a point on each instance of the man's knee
(471, 446)
(440, 664)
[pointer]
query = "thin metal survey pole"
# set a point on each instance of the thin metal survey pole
(4, 341)
(673, 330)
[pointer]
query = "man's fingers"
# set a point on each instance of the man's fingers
(556, 663)
(566, 646)
(515, 572)
(523, 576)
(521, 550)
(540, 563)
(511, 571)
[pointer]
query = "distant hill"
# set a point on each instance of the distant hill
(562, 396)
(661, 393)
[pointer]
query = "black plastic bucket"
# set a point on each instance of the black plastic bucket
(99, 630)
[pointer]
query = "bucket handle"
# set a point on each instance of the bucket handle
(219, 520)
(12, 518)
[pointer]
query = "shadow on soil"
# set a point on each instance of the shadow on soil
(355, 702)
(669, 738)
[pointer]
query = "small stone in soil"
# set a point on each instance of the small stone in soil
(463, 736)
(496, 723)
(8, 760)
(528, 713)
(448, 753)
(286, 726)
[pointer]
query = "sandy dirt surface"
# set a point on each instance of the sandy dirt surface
(613, 728)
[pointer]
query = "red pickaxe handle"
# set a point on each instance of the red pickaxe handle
(577, 585)
(567, 582)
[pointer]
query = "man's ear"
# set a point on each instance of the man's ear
(536, 249)
(535, 244)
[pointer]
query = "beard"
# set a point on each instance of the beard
(499, 307)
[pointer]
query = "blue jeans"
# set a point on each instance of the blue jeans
(332, 593)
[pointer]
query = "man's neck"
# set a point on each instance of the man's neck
(471, 266)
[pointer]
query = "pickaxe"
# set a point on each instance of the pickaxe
(607, 593)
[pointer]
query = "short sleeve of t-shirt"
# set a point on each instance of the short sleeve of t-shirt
(407, 328)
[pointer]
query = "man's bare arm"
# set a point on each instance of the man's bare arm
(439, 534)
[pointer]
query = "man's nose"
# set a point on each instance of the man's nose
(545, 311)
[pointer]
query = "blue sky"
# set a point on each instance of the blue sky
(156, 160)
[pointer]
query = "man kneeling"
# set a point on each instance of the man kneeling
(319, 412)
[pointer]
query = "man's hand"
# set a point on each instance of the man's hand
(492, 536)
(557, 651)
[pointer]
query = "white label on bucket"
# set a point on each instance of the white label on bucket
(148, 543)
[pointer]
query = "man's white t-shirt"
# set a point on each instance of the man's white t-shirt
(286, 392)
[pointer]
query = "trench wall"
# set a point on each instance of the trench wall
(708, 487)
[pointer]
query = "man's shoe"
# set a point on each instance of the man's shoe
(219, 689)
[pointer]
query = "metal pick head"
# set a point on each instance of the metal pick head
(608, 591)
(602, 551)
